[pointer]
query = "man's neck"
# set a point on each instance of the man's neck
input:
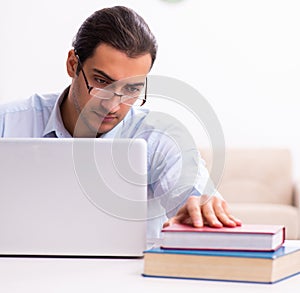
(67, 115)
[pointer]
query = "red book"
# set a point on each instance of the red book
(245, 237)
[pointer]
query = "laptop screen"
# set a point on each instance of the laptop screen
(73, 196)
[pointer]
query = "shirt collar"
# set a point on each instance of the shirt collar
(55, 126)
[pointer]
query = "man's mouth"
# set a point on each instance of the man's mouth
(109, 118)
(106, 118)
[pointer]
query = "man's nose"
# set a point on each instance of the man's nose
(112, 104)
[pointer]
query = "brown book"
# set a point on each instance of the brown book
(244, 266)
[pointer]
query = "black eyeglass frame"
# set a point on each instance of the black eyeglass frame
(89, 88)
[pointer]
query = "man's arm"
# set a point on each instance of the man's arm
(191, 190)
(197, 203)
(178, 180)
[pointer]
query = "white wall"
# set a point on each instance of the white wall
(242, 56)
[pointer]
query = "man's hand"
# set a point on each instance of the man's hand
(204, 210)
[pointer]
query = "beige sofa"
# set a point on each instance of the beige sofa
(259, 187)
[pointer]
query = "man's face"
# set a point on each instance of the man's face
(87, 115)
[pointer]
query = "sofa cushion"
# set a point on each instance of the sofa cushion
(255, 175)
(268, 214)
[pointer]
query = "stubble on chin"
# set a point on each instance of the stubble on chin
(83, 128)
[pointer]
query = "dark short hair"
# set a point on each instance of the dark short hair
(119, 27)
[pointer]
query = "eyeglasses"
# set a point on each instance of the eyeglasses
(129, 93)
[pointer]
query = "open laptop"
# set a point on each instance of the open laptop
(73, 197)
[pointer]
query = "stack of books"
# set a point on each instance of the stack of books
(248, 253)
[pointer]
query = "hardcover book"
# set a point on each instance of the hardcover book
(242, 266)
(245, 237)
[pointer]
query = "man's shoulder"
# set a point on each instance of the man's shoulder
(36, 102)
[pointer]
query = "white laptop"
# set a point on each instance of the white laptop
(73, 197)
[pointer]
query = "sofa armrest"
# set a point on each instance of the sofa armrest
(296, 195)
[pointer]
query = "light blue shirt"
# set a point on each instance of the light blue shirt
(175, 169)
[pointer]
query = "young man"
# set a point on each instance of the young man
(113, 52)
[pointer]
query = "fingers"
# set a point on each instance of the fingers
(220, 212)
(199, 210)
(189, 214)
(194, 211)
(211, 215)
(166, 224)
(218, 209)
(229, 215)
(179, 218)
(173, 220)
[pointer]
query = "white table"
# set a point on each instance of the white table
(110, 275)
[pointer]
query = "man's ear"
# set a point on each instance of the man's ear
(72, 63)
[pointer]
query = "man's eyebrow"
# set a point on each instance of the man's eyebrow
(113, 80)
(136, 84)
(104, 74)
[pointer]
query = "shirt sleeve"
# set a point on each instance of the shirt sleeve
(175, 167)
